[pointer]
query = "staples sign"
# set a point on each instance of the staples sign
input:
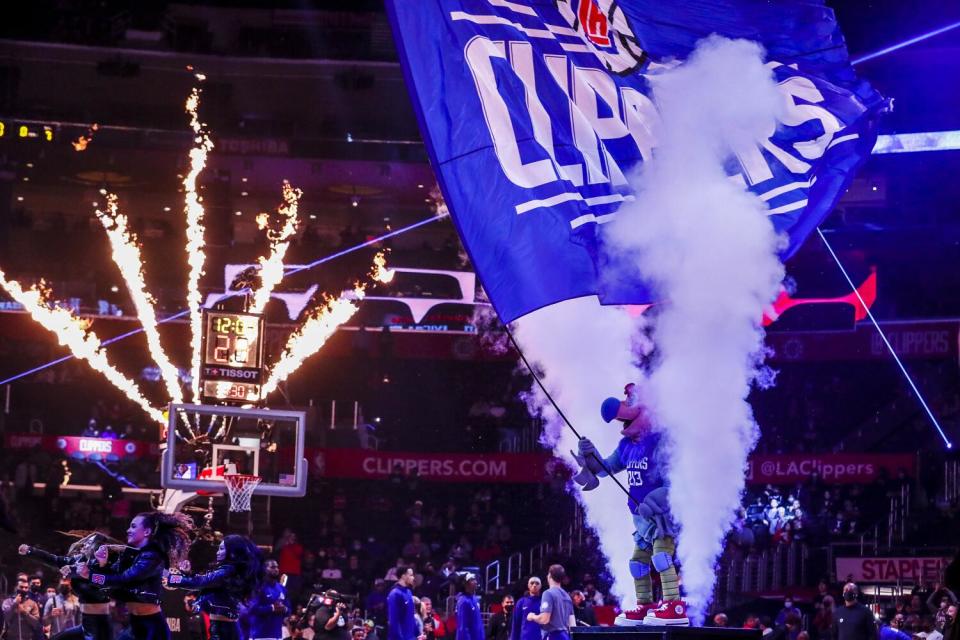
(897, 570)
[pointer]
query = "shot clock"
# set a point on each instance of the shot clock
(232, 367)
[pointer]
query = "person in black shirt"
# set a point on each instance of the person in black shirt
(331, 618)
(501, 622)
(854, 621)
(583, 610)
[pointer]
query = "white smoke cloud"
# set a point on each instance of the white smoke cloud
(585, 351)
(708, 248)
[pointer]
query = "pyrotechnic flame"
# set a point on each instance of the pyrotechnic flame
(80, 144)
(380, 272)
(310, 337)
(279, 235)
(74, 333)
(126, 255)
(321, 325)
(195, 242)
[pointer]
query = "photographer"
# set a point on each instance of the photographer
(21, 615)
(331, 618)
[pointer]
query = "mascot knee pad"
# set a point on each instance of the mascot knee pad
(639, 569)
(662, 561)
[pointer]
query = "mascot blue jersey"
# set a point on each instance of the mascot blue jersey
(637, 459)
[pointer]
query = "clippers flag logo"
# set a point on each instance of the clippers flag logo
(594, 23)
(535, 111)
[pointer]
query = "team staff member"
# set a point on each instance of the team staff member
(401, 621)
(556, 608)
(854, 621)
(501, 622)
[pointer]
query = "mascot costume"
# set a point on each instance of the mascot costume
(655, 535)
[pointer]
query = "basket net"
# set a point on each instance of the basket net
(240, 488)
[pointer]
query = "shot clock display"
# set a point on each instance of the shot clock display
(232, 367)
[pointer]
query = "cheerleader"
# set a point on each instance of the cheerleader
(155, 539)
(223, 590)
(94, 601)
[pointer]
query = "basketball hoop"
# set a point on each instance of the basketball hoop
(240, 488)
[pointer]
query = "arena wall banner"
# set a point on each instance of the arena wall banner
(101, 449)
(833, 468)
(935, 340)
(442, 467)
(908, 570)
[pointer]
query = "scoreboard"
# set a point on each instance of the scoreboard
(231, 369)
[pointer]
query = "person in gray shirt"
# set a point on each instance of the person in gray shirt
(556, 608)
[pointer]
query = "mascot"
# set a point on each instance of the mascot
(655, 535)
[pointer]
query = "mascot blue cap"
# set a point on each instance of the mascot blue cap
(609, 409)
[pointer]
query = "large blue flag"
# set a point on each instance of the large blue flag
(533, 111)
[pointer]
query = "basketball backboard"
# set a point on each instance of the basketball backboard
(204, 442)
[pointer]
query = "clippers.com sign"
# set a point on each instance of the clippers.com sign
(444, 467)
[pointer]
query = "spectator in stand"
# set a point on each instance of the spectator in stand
(487, 552)
(752, 621)
(788, 608)
(823, 621)
(523, 629)
(916, 606)
(462, 551)
(500, 622)
(854, 621)
(433, 627)
(332, 574)
(721, 621)
(401, 618)
(790, 629)
(62, 609)
(499, 530)
(391, 574)
(21, 615)
(938, 602)
(823, 590)
(951, 629)
(469, 620)
(583, 610)
(290, 557)
(766, 626)
(593, 596)
(371, 628)
(416, 550)
(376, 604)
(893, 631)
(37, 592)
(418, 616)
